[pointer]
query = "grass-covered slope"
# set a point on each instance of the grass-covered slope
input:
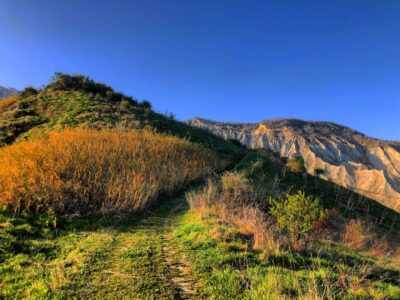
(240, 248)
(267, 171)
(107, 171)
(80, 164)
(76, 101)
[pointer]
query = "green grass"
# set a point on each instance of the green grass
(52, 110)
(269, 174)
(44, 257)
(228, 269)
(103, 258)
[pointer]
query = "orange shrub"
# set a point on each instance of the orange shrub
(108, 171)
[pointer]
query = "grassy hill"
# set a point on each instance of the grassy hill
(77, 101)
(92, 206)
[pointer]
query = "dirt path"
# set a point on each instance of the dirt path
(177, 263)
(136, 260)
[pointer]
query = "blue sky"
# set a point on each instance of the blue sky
(224, 60)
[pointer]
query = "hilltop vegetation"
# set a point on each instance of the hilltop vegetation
(77, 101)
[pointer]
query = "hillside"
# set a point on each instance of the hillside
(7, 92)
(103, 198)
(370, 167)
(76, 101)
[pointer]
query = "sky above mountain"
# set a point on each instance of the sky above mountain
(224, 60)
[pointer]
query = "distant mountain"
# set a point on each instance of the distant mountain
(6, 92)
(349, 158)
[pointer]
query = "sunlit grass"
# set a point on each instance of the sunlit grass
(108, 171)
(7, 102)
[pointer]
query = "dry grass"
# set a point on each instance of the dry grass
(106, 171)
(234, 203)
(356, 235)
(7, 102)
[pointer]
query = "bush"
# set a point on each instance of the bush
(146, 104)
(234, 201)
(297, 214)
(66, 82)
(357, 235)
(319, 172)
(28, 91)
(109, 171)
(296, 164)
(237, 143)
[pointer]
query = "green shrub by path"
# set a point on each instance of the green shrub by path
(297, 214)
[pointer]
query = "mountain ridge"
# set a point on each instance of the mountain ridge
(337, 153)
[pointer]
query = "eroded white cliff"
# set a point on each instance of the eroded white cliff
(368, 166)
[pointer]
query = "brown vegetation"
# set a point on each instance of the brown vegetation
(234, 202)
(107, 171)
(7, 102)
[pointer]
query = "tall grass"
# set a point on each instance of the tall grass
(235, 201)
(107, 171)
(7, 102)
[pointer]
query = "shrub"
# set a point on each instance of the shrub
(237, 189)
(146, 104)
(234, 202)
(357, 235)
(107, 171)
(296, 164)
(237, 143)
(66, 82)
(28, 91)
(297, 214)
(319, 172)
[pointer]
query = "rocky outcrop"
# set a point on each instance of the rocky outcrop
(366, 165)
(4, 92)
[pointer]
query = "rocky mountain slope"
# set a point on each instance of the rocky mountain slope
(368, 166)
(5, 92)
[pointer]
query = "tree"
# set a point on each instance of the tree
(297, 214)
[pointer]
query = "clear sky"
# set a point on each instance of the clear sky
(223, 60)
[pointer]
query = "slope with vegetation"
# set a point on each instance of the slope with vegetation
(91, 207)
(77, 101)
(108, 171)
(245, 244)
(368, 166)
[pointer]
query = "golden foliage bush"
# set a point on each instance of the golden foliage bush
(107, 171)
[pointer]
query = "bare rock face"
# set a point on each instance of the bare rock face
(4, 92)
(368, 166)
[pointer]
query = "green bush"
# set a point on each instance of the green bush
(297, 214)
(28, 91)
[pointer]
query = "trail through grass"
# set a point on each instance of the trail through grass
(130, 259)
